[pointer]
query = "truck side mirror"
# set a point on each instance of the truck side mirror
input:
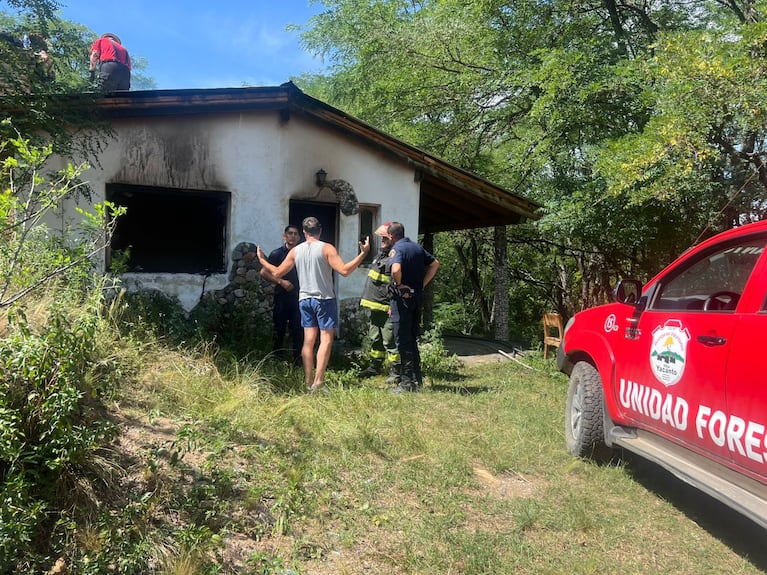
(627, 291)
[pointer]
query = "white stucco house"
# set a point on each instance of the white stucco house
(206, 170)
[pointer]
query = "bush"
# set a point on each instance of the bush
(455, 317)
(51, 424)
(239, 330)
(436, 361)
(150, 315)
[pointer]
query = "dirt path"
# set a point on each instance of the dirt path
(474, 350)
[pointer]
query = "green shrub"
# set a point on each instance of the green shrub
(51, 424)
(239, 330)
(456, 317)
(150, 315)
(436, 361)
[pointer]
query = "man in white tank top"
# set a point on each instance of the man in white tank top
(315, 262)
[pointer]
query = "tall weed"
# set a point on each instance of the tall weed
(436, 361)
(52, 422)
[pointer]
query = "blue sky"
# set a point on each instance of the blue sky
(206, 43)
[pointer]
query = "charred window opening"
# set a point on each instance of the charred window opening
(170, 230)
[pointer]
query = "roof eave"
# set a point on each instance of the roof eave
(501, 207)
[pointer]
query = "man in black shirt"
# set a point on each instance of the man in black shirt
(285, 313)
(412, 268)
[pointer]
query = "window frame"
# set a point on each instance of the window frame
(696, 302)
(367, 229)
(171, 230)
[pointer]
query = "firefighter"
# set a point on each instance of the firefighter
(112, 62)
(412, 268)
(375, 297)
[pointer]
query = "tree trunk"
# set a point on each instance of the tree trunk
(428, 294)
(471, 269)
(500, 316)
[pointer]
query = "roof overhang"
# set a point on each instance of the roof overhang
(451, 198)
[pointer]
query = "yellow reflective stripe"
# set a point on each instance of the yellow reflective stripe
(374, 305)
(393, 357)
(375, 354)
(377, 277)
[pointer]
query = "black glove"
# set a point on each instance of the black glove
(93, 75)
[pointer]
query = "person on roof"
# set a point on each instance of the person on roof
(112, 61)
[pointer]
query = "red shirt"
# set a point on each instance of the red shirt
(107, 49)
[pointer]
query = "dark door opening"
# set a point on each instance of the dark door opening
(327, 214)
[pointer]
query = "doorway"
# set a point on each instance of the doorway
(327, 214)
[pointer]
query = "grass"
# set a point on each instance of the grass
(470, 477)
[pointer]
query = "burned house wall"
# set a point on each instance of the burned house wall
(263, 161)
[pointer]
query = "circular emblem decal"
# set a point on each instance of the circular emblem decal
(668, 351)
(611, 323)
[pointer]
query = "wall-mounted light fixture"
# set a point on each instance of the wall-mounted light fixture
(343, 191)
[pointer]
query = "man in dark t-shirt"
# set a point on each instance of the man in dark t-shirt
(412, 268)
(285, 315)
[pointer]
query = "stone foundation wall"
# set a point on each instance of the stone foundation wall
(354, 321)
(246, 295)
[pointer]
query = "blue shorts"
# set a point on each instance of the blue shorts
(320, 313)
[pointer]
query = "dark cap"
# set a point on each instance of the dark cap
(114, 37)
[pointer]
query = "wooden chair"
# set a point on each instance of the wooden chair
(552, 332)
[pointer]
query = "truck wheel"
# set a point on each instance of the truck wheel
(584, 423)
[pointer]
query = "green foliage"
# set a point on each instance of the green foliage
(436, 361)
(149, 315)
(152, 315)
(59, 363)
(705, 133)
(66, 45)
(640, 128)
(46, 88)
(51, 423)
(455, 317)
(43, 88)
(266, 564)
(237, 329)
(56, 374)
(31, 255)
(465, 276)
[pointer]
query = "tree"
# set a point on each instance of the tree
(44, 85)
(705, 141)
(594, 108)
(30, 256)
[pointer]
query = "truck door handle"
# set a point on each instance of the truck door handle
(711, 340)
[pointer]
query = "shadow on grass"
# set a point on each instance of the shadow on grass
(459, 389)
(742, 535)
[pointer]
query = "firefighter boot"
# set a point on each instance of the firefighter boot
(394, 374)
(371, 370)
(408, 381)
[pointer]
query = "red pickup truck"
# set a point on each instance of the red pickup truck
(672, 370)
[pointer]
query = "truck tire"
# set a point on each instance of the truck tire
(584, 421)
